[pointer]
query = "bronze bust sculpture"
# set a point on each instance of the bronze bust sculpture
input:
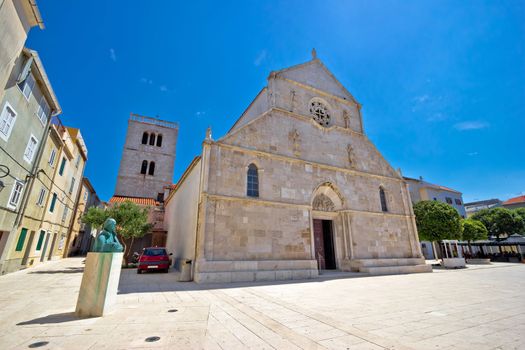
(107, 241)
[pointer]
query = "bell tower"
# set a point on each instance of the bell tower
(148, 158)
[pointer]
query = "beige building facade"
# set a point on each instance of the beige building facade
(48, 216)
(17, 17)
(293, 188)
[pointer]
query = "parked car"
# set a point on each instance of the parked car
(154, 259)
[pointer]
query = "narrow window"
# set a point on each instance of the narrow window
(7, 120)
(40, 240)
(41, 197)
(30, 149)
(382, 196)
(62, 166)
(27, 86)
(152, 139)
(52, 156)
(449, 200)
(144, 167)
(72, 186)
(15, 194)
(159, 140)
(21, 239)
(43, 110)
(145, 138)
(53, 203)
(252, 187)
(458, 201)
(64, 214)
(151, 170)
(77, 161)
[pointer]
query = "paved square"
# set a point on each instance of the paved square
(481, 307)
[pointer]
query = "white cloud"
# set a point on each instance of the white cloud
(472, 154)
(163, 88)
(260, 58)
(112, 55)
(471, 125)
(146, 81)
(421, 99)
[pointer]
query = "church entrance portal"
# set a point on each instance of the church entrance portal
(324, 244)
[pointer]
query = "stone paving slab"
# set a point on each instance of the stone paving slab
(481, 307)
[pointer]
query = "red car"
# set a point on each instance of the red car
(154, 258)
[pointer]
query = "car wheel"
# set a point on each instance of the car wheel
(139, 271)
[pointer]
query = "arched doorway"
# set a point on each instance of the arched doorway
(326, 201)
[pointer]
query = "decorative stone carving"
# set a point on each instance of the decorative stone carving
(350, 151)
(208, 133)
(293, 136)
(346, 118)
(292, 100)
(320, 112)
(323, 203)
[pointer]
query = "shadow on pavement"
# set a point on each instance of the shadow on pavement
(56, 318)
(68, 270)
(131, 282)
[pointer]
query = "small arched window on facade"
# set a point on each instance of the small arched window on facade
(145, 138)
(151, 170)
(382, 197)
(159, 140)
(252, 183)
(144, 167)
(152, 139)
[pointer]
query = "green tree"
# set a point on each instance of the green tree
(95, 216)
(437, 221)
(473, 230)
(500, 222)
(132, 221)
(521, 213)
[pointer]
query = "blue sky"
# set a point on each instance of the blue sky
(442, 83)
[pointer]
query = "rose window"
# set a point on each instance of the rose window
(320, 113)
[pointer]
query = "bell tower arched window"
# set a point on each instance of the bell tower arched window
(252, 183)
(159, 140)
(151, 170)
(382, 197)
(145, 136)
(152, 139)
(144, 167)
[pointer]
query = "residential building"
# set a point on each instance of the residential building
(514, 203)
(474, 207)
(82, 234)
(25, 115)
(17, 17)
(295, 187)
(48, 215)
(421, 190)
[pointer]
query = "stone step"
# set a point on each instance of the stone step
(358, 263)
(393, 270)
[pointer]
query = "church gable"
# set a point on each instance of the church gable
(316, 75)
(286, 134)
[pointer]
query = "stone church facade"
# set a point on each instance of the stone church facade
(293, 188)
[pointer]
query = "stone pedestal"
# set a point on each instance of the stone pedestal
(98, 291)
